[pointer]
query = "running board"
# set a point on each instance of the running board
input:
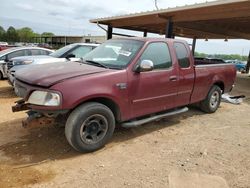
(153, 118)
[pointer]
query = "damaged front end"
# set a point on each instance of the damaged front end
(39, 118)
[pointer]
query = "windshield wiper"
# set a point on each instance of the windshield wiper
(95, 63)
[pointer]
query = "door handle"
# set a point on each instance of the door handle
(173, 78)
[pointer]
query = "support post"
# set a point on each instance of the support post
(169, 29)
(109, 32)
(193, 45)
(145, 33)
(248, 64)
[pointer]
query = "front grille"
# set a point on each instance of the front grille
(20, 91)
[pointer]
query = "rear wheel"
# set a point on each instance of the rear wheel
(89, 127)
(242, 70)
(212, 101)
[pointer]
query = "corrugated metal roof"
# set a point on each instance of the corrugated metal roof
(215, 19)
(168, 10)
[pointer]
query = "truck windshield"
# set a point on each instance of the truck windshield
(116, 53)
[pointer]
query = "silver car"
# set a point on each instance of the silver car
(10, 53)
(72, 52)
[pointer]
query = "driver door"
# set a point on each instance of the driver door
(156, 90)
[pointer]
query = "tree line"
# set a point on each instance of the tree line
(24, 34)
(222, 56)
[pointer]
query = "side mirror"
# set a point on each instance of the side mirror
(70, 56)
(145, 66)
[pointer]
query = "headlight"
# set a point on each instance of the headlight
(44, 98)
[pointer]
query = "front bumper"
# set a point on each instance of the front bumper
(40, 118)
(20, 106)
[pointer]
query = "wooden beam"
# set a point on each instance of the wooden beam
(214, 29)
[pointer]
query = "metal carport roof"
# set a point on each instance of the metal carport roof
(217, 19)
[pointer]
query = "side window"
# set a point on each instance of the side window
(35, 52)
(81, 51)
(27, 52)
(16, 54)
(182, 55)
(44, 52)
(158, 53)
(3, 57)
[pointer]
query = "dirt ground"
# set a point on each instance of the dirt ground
(212, 144)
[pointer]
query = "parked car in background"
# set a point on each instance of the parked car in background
(240, 65)
(4, 44)
(10, 53)
(127, 81)
(72, 52)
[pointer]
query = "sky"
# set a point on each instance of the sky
(71, 17)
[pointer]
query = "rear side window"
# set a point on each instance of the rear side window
(16, 54)
(182, 55)
(44, 52)
(35, 52)
(158, 53)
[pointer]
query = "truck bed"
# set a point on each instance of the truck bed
(206, 72)
(206, 61)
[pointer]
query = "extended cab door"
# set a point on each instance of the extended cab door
(155, 90)
(186, 73)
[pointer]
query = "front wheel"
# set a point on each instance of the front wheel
(89, 127)
(212, 101)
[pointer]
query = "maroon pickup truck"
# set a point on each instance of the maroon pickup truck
(127, 82)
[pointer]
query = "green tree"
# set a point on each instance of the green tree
(2, 34)
(48, 34)
(12, 35)
(25, 34)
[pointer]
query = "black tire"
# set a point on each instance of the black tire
(1, 75)
(212, 101)
(89, 127)
(242, 70)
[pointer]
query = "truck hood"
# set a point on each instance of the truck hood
(47, 75)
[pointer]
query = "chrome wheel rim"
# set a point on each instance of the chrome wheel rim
(94, 129)
(214, 100)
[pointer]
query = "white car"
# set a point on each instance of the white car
(10, 53)
(72, 52)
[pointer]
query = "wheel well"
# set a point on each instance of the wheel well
(110, 104)
(220, 85)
